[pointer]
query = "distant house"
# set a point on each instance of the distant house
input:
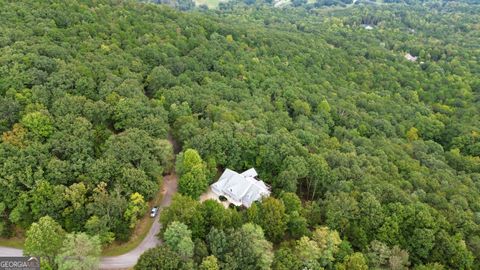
(368, 27)
(240, 188)
(410, 57)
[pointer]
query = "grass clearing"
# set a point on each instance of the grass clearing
(211, 4)
(14, 242)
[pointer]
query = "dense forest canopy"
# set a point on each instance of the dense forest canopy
(373, 159)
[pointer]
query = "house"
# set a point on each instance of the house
(410, 57)
(240, 188)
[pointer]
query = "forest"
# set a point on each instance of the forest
(373, 159)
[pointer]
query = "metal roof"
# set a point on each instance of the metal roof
(241, 188)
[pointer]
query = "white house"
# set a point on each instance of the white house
(410, 57)
(240, 188)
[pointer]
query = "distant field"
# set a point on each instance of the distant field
(212, 4)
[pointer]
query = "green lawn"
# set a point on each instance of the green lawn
(12, 242)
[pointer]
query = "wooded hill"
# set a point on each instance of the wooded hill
(383, 151)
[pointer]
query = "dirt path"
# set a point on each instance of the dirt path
(176, 146)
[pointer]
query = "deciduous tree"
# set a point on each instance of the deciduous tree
(79, 252)
(44, 239)
(179, 238)
(272, 218)
(159, 258)
(192, 171)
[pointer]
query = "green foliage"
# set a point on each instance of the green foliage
(431, 266)
(159, 258)
(44, 239)
(321, 248)
(209, 263)
(312, 213)
(307, 250)
(98, 226)
(47, 200)
(159, 77)
(179, 238)
(260, 248)
(132, 180)
(272, 218)
(301, 108)
(185, 210)
(215, 215)
(378, 148)
(79, 252)
(381, 256)
(200, 251)
(2, 221)
(135, 209)
(412, 134)
(38, 123)
(285, 259)
(243, 248)
(297, 225)
(340, 210)
(110, 208)
(453, 248)
(356, 261)
(193, 175)
(217, 243)
(291, 201)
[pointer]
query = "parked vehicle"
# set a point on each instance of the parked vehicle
(154, 211)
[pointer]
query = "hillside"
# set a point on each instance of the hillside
(373, 160)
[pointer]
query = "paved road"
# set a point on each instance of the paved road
(127, 260)
(170, 185)
(10, 252)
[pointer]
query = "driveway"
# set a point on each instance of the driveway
(209, 195)
(128, 260)
(10, 252)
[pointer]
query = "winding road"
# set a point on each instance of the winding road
(170, 185)
(127, 260)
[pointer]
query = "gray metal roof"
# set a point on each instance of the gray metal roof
(241, 188)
